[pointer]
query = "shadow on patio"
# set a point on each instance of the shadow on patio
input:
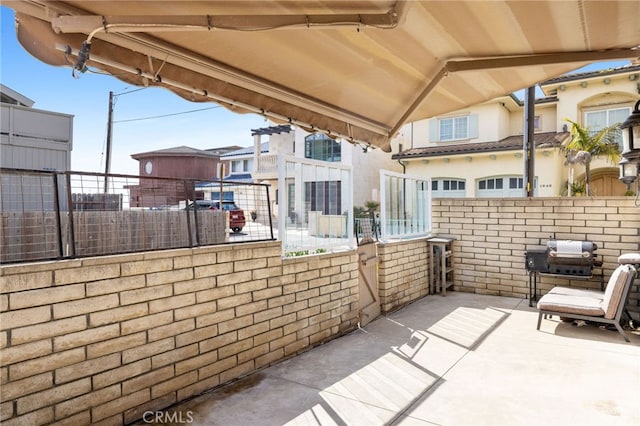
(460, 359)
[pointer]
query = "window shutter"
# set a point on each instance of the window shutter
(473, 126)
(433, 130)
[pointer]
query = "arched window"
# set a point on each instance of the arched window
(502, 187)
(448, 188)
(319, 146)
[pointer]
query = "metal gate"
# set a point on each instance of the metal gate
(369, 307)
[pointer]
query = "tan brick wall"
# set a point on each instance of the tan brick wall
(493, 235)
(403, 273)
(105, 339)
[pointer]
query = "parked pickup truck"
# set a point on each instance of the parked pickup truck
(236, 214)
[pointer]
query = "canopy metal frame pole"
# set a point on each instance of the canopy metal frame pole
(528, 144)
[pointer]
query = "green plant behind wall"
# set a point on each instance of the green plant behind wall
(578, 188)
(595, 144)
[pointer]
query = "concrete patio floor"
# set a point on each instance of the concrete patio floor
(463, 359)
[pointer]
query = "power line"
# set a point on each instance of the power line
(166, 115)
(130, 91)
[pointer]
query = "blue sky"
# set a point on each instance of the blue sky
(86, 98)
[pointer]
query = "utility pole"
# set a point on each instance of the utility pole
(528, 144)
(107, 166)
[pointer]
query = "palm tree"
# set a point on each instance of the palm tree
(371, 206)
(585, 146)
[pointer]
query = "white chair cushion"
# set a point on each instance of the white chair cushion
(629, 258)
(564, 303)
(613, 292)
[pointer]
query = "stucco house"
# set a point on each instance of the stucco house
(259, 163)
(477, 152)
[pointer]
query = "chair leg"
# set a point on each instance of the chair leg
(539, 320)
(621, 331)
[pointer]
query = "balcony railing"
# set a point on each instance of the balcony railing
(267, 165)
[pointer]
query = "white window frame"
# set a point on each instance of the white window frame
(454, 136)
(537, 122)
(405, 206)
(333, 155)
(625, 111)
(307, 232)
(506, 191)
(448, 193)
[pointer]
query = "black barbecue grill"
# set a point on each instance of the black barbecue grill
(561, 258)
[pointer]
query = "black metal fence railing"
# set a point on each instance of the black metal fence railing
(59, 215)
(367, 229)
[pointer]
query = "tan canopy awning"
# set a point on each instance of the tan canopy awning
(355, 69)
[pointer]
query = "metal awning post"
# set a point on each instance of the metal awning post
(528, 144)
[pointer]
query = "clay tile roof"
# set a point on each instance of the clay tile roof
(510, 143)
(591, 74)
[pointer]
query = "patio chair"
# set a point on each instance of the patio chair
(604, 307)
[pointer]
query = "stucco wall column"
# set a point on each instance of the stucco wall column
(256, 152)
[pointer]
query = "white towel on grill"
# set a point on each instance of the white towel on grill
(568, 248)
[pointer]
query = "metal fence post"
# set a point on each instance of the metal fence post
(72, 238)
(188, 212)
(56, 208)
(101, 224)
(266, 188)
